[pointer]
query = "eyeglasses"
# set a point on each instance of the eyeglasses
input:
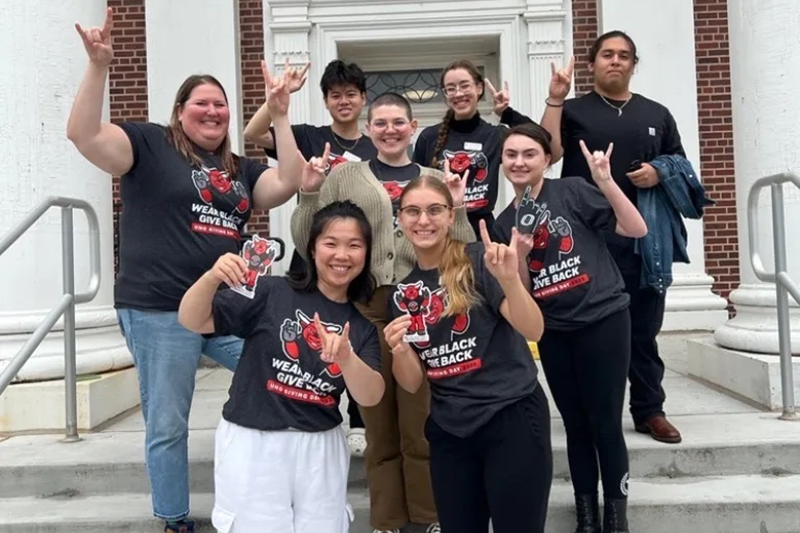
(433, 211)
(382, 125)
(466, 88)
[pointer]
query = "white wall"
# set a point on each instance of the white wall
(186, 37)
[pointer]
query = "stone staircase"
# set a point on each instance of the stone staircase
(737, 471)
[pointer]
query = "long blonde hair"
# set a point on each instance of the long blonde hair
(182, 143)
(458, 276)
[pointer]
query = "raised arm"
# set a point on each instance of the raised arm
(629, 221)
(276, 187)
(518, 307)
(462, 229)
(103, 144)
(257, 130)
(560, 84)
(196, 310)
(315, 192)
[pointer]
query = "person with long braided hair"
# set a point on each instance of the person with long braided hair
(466, 140)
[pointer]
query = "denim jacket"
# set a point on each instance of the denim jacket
(679, 193)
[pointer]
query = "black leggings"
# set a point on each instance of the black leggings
(586, 370)
(503, 471)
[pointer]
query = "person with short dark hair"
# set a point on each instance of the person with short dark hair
(281, 460)
(344, 92)
(642, 130)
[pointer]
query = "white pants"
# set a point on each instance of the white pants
(280, 481)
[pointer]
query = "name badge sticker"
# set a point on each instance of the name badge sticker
(350, 156)
(651, 131)
(473, 146)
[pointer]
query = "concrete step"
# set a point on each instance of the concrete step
(112, 463)
(732, 504)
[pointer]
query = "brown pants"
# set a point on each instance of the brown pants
(397, 451)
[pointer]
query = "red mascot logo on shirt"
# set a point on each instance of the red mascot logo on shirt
(462, 160)
(533, 218)
(259, 254)
(425, 308)
(334, 160)
(207, 181)
(304, 327)
(394, 189)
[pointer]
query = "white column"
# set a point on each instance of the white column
(664, 37)
(765, 74)
(549, 41)
(288, 26)
(43, 64)
(186, 37)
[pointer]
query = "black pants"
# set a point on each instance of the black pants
(503, 471)
(647, 369)
(586, 370)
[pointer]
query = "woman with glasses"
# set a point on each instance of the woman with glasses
(465, 140)
(397, 452)
(489, 427)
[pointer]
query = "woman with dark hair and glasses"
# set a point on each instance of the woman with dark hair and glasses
(465, 140)
(186, 199)
(281, 459)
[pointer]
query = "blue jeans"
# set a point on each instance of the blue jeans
(166, 356)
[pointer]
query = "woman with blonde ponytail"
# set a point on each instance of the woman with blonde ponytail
(460, 319)
(465, 140)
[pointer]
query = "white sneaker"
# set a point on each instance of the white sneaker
(357, 442)
(386, 531)
(434, 528)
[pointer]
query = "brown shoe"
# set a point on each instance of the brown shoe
(660, 429)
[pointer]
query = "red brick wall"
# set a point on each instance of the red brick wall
(251, 43)
(127, 77)
(716, 142)
(584, 32)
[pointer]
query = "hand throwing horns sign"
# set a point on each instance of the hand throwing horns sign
(335, 348)
(456, 184)
(314, 170)
(561, 81)
(599, 162)
(501, 260)
(500, 99)
(97, 41)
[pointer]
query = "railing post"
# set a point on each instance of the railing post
(70, 370)
(782, 300)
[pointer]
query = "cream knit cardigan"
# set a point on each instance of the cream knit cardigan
(392, 255)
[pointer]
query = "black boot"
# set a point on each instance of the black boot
(615, 516)
(588, 513)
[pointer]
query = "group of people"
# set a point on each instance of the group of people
(405, 292)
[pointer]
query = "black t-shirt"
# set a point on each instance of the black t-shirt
(476, 363)
(176, 220)
(472, 144)
(280, 381)
(311, 143)
(644, 131)
(573, 276)
(394, 180)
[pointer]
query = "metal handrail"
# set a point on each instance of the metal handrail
(66, 306)
(784, 285)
